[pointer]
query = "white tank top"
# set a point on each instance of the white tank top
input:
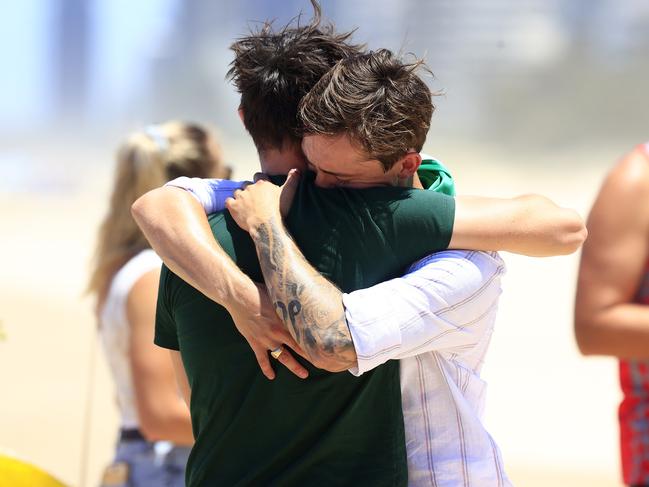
(115, 332)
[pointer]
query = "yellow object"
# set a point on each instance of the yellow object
(16, 473)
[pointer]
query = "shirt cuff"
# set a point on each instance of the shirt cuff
(374, 330)
(210, 193)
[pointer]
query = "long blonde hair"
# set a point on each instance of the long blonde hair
(145, 161)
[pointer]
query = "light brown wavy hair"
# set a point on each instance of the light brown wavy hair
(146, 160)
(377, 99)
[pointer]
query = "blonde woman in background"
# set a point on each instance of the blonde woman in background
(156, 432)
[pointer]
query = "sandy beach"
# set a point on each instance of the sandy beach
(552, 412)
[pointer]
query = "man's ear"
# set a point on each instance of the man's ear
(240, 112)
(409, 165)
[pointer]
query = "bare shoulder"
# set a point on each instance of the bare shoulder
(624, 194)
(622, 205)
(630, 175)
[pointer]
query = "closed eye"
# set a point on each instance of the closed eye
(342, 182)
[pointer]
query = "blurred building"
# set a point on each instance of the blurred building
(521, 72)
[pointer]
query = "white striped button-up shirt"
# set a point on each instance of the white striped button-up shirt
(437, 320)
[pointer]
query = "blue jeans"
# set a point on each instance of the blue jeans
(139, 463)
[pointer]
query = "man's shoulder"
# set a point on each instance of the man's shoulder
(400, 201)
(235, 242)
(217, 221)
(225, 229)
(169, 282)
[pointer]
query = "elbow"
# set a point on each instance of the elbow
(152, 428)
(553, 230)
(157, 424)
(324, 362)
(563, 230)
(164, 419)
(140, 209)
(586, 346)
(332, 354)
(571, 234)
(331, 365)
(586, 339)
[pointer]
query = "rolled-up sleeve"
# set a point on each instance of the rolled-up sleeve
(210, 193)
(446, 301)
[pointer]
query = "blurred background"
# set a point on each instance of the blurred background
(539, 96)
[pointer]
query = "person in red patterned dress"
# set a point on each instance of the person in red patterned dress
(611, 309)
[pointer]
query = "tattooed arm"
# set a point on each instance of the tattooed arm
(308, 304)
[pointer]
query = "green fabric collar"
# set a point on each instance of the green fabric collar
(436, 177)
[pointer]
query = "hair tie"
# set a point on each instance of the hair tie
(158, 137)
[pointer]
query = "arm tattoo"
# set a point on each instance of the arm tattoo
(310, 306)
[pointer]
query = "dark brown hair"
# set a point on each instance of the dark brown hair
(378, 100)
(273, 70)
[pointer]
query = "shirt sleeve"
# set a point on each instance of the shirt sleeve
(423, 223)
(210, 193)
(166, 335)
(413, 222)
(445, 302)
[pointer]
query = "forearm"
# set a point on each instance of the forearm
(175, 225)
(445, 302)
(529, 225)
(621, 331)
(309, 305)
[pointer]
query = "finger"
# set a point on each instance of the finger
(292, 180)
(260, 176)
(288, 361)
(288, 191)
(290, 341)
(237, 193)
(280, 334)
(264, 362)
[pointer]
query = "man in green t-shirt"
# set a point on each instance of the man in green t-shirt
(333, 429)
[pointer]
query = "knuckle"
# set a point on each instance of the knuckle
(275, 331)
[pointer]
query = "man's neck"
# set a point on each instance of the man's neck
(416, 182)
(276, 162)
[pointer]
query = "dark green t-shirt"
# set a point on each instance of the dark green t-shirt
(330, 429)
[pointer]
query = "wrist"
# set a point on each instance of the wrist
(229, 284)
(239, 294)
(261, 225)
